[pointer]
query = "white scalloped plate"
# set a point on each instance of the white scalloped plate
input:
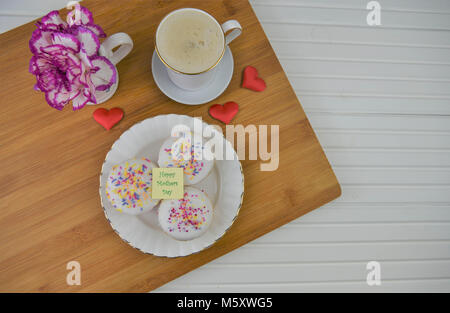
(224, 186)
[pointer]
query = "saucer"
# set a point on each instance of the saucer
(208, 93)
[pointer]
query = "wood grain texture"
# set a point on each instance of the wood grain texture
(50, 160)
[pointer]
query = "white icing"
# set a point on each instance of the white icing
(187, 218)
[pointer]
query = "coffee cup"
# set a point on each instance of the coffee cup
(191, 43)
(115, 48)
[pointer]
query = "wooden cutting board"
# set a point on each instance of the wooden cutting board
(50, 161)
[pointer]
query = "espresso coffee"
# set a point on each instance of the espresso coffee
(190, 41)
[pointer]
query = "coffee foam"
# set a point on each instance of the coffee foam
(190, 41)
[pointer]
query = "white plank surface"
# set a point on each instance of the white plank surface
(379, 100)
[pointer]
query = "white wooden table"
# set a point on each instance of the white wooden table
(379, 100)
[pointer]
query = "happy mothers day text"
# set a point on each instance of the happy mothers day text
(168, 183)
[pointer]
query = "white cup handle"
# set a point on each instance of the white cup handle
(234, 28)
(120, 39)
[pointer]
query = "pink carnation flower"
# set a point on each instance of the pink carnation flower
(66, 63)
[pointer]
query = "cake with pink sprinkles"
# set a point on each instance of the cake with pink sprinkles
(187, 152)
(186, 218)
(129, 186)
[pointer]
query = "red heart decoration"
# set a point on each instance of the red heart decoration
(108, 118)
(252, 81)
(224, 113)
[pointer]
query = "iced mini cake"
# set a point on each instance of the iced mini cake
(129, 186)
(187, 218)
(186, 152)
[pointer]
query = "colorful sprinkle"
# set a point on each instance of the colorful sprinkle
(129, 186)
(192, 166)
(185, 216)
